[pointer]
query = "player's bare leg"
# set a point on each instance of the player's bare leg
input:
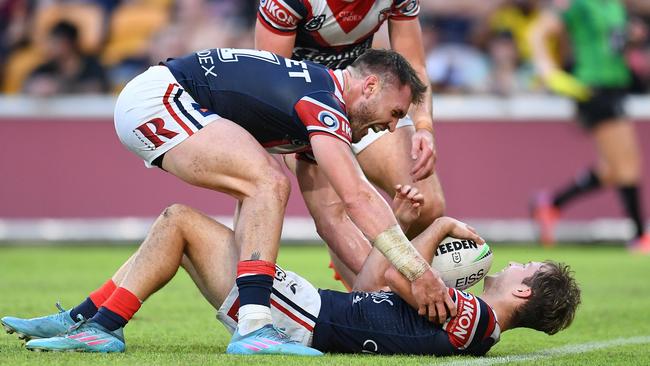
(620, 166)
(618, 150)
(387, 163)
(251, 175)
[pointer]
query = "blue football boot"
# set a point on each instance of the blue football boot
(43, 327)
(268, 340)
(85, 336)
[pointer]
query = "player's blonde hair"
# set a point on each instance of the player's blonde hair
(553, 302)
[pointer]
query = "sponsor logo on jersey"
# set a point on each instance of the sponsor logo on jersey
(455, 245)
(315, 23)
(461, 329)
(278, 12)
(349, 16)
(329, 119)
(380, 297)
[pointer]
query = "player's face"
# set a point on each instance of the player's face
(379, 111)
(512, 275)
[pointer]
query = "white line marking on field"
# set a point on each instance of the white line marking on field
(552, 352)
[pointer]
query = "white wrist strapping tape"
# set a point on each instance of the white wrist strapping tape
(398, 250)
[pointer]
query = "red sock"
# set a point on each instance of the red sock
(123, 303)
(99, 296)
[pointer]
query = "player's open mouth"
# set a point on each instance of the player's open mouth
(379, 127)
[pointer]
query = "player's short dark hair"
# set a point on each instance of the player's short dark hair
(555, 296)
(391, 66)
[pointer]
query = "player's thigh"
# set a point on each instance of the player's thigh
(223, 156)
(387, 162)
(213, 254)
(618, 148)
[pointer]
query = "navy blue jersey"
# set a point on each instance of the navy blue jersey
(281, 102)
(383, 323)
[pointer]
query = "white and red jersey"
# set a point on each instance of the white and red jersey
(332, 32)
(475, 323)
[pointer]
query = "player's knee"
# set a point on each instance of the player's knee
(176, 213)
(434, 207)
(275, 183)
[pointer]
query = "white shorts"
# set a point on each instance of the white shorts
(153, 114)
(295, 305)
(373, 136)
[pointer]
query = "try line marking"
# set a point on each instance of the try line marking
(552, 352)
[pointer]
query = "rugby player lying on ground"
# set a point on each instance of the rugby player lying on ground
(542, 296)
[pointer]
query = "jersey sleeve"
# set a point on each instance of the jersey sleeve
(404, 9)
(281, 16)
(323, 114)
(475, 328)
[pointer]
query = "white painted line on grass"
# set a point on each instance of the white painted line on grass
(552, 352)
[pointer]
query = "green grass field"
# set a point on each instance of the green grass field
(176, 326)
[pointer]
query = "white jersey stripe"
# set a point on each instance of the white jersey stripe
(325, 106)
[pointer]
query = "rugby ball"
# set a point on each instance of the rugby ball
(462, 263)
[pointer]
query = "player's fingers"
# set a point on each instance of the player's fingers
(450, 306)
(398, 187)
(442, 312)
(412, 193)
(405, 190)
(424, 172)
(422, 310)
(432, 314)
(423, 156)
(416, 143)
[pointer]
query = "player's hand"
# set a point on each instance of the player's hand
(423, 153)
(458, 229)
(407, 204)
(432, 297)
(563, 83)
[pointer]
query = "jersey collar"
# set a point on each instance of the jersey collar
(339, 82)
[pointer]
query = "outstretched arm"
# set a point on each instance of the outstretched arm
(373, 217)
(427, 243)
(550, 24)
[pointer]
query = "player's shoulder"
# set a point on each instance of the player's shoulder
(282, 15)
(475, 326)
(404, 9)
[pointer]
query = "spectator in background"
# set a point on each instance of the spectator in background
(67, 70)
(507, 74)
(15, 19)
(637, 55)
(456, 64)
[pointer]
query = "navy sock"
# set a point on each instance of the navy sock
(87, 309)
(255, 289)
(584, 183)
(108, 319)
(630, 198)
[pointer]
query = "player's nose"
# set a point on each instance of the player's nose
(511, 263)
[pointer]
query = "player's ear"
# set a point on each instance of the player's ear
(522, 291)
(370, 85)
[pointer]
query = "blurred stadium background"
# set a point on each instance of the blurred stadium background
(500, 135)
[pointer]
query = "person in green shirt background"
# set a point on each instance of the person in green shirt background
(596, 31)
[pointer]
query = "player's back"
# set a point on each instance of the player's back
(257, 90)
(383, 323)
